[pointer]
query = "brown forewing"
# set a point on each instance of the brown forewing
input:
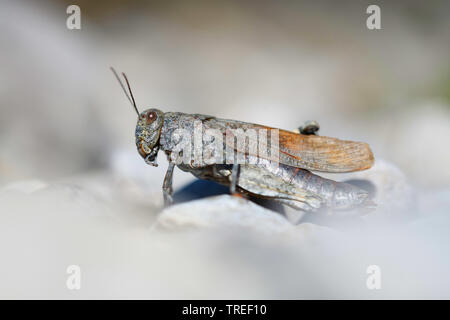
(318, 153)
(322, 153)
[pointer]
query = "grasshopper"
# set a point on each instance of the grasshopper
(284, 176)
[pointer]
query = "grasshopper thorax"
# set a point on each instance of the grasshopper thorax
(148, 130)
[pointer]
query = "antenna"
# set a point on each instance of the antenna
(133, 103)
(131, 93)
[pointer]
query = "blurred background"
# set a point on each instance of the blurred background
(73, 189)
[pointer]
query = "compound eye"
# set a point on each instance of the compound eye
(151, 116)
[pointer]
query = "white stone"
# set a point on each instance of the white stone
(218, 211)
(393, 193)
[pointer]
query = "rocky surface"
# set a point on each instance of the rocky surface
(392, 192)
(221, 211)
(214, 247)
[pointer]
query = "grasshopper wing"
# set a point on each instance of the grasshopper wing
(311, 152)
(320, 153)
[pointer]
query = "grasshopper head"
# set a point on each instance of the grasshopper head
(148, 127)
(148, 130)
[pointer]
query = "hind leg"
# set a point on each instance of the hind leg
(234, 181)
(261, 181)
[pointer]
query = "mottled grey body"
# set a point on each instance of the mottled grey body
(295, 187)
(170, 139)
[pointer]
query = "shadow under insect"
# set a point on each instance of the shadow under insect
(200, 189)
